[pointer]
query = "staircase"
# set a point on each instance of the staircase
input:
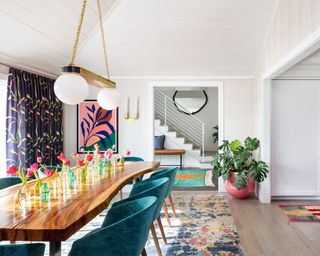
(181, 131)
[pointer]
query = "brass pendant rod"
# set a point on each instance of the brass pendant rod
(77, 37)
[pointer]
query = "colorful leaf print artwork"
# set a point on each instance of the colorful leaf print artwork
(96, 126)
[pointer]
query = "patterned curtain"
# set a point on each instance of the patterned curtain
(34, 119)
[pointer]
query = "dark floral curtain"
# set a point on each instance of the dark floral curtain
(34, 119)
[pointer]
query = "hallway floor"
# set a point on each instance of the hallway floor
(265, 231)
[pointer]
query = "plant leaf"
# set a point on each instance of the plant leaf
(240, 180)
(235, 145)
(82, 129)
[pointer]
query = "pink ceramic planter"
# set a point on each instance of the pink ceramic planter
(236, 193)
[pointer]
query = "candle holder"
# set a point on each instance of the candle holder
(132, 119)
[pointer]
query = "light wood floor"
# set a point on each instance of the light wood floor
(264, 230)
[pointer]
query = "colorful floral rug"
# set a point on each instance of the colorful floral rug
(194, 178)
(204, 227)
(305, 213)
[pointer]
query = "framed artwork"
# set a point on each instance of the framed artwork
(96, 125)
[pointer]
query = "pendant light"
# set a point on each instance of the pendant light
(72, 87)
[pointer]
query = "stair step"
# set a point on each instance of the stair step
(205, 166)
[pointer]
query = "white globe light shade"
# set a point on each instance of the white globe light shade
(71, 89)
(109, 98)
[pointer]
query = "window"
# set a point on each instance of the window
(3, 107)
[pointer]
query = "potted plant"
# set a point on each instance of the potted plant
(235, 162)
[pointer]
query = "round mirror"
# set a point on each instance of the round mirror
(190, 101)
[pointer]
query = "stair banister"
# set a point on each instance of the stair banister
(189, 125)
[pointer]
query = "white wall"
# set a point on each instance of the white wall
(238, 115)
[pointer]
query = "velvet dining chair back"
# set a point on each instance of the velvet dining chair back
(124, 231)
(170, 173)
(133, 159)
(35, 249)
(152, 188)
(8, 182)
(157, 187)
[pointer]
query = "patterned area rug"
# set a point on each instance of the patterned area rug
(194, 178)
(204, 226)
(305, 213)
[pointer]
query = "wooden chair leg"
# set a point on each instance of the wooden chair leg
(155, 238)
(161, 230)
(121, 197)
(12, 242)
(172, 207)
(165, 209)
(144, 253)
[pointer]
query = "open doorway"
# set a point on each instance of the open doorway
(187, 131)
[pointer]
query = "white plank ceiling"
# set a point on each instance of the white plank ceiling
(39, 34)
(144, 37)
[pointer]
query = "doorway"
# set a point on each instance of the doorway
(172, 87)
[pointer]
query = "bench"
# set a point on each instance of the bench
(178, 152)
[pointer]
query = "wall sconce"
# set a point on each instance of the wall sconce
(135, 116)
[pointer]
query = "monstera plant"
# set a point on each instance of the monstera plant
(235, 162)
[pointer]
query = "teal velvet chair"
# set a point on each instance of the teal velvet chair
(36, 249)
(171, 174)
(124, 231)
(8, 182)
(132, 159)
(158, 188)
(49, 167)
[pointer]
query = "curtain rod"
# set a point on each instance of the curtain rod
(40, 73)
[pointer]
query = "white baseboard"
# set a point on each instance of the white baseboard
(302, 198)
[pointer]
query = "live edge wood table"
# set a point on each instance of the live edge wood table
(66, 212)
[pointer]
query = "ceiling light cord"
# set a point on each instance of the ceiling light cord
(103, 39)
(76, 40)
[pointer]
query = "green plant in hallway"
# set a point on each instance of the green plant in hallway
(215, 134)
(236, 163)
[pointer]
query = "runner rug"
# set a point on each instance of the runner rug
(194, 178)
(304, 213)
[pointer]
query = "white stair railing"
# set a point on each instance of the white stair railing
(187, 125)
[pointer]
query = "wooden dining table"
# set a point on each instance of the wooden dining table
(68, 209)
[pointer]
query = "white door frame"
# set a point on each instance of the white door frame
(194, 83)
(309, 45)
